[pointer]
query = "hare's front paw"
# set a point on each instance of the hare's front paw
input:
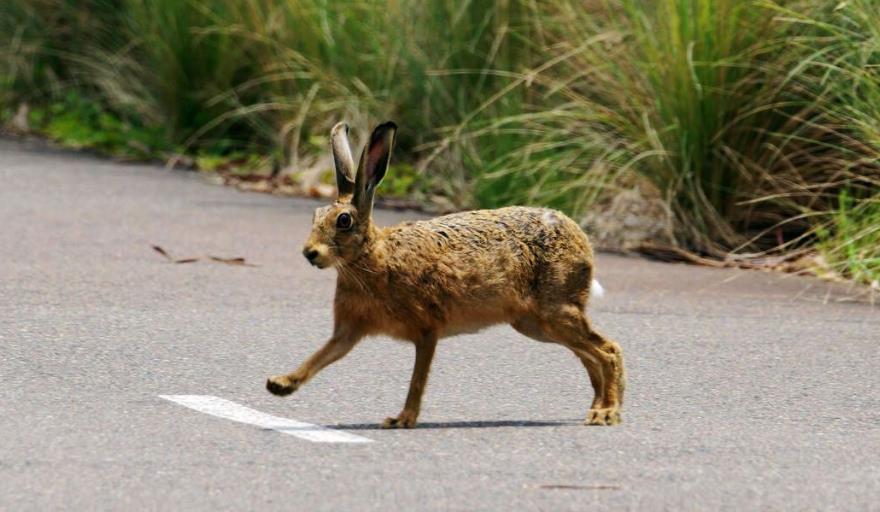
(282, 385)
(609, 416)
(404, 420)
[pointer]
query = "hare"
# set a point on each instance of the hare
(422, 281)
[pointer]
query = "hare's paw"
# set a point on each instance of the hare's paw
(609, 416)
(282, 385)
(404, 420)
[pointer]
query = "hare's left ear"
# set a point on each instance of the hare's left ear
(342, 160)
(373, 164)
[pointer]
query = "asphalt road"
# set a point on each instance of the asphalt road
(746, 390)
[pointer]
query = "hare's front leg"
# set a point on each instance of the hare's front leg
(342, 341)
(424, 354)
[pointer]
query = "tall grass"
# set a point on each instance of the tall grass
(190, 64)
(427, 64)
(843, 73)
(685, 93)
(750, 117)
(35, 37)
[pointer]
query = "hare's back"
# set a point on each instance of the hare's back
(518, 238)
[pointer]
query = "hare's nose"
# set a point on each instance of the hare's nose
(310, 254)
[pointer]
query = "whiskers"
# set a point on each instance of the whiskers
(349, 274)
(350, 271)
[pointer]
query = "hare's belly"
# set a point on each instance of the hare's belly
(412, 323)
(470, 320)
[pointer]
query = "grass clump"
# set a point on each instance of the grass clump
(850, 241)
(845, 78)
(79, 122)
(685, 93)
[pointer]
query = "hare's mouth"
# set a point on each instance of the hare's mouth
(322, 262)
(317, 255)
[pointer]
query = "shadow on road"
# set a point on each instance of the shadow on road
(466, 424)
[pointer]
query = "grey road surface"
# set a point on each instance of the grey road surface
(746, 390)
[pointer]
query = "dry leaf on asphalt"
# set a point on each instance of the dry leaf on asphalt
(238, 261)
(167, 256)
(232, 261)
(161, 251)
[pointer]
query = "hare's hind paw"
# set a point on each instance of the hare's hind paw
(404, 420)
(282, 385)
(609, 416)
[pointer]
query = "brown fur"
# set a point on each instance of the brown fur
(422, 281)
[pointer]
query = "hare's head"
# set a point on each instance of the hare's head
(341, 230)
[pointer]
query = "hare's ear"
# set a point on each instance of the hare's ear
(372, 167)
(342, 160)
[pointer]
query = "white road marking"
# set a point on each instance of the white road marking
(229, 410)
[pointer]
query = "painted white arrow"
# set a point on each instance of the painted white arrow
(230, 410)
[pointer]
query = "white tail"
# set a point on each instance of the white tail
(596, 289)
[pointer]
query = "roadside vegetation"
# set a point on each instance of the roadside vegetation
(756, 122)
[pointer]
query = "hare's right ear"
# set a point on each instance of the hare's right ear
(342, 160)
(373, 164)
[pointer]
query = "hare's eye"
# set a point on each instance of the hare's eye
(343, 221)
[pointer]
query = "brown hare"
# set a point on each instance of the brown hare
(422, 281)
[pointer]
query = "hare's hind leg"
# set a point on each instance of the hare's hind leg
(603, 359)
(424, 355)
(531, 327)
(570, 326)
